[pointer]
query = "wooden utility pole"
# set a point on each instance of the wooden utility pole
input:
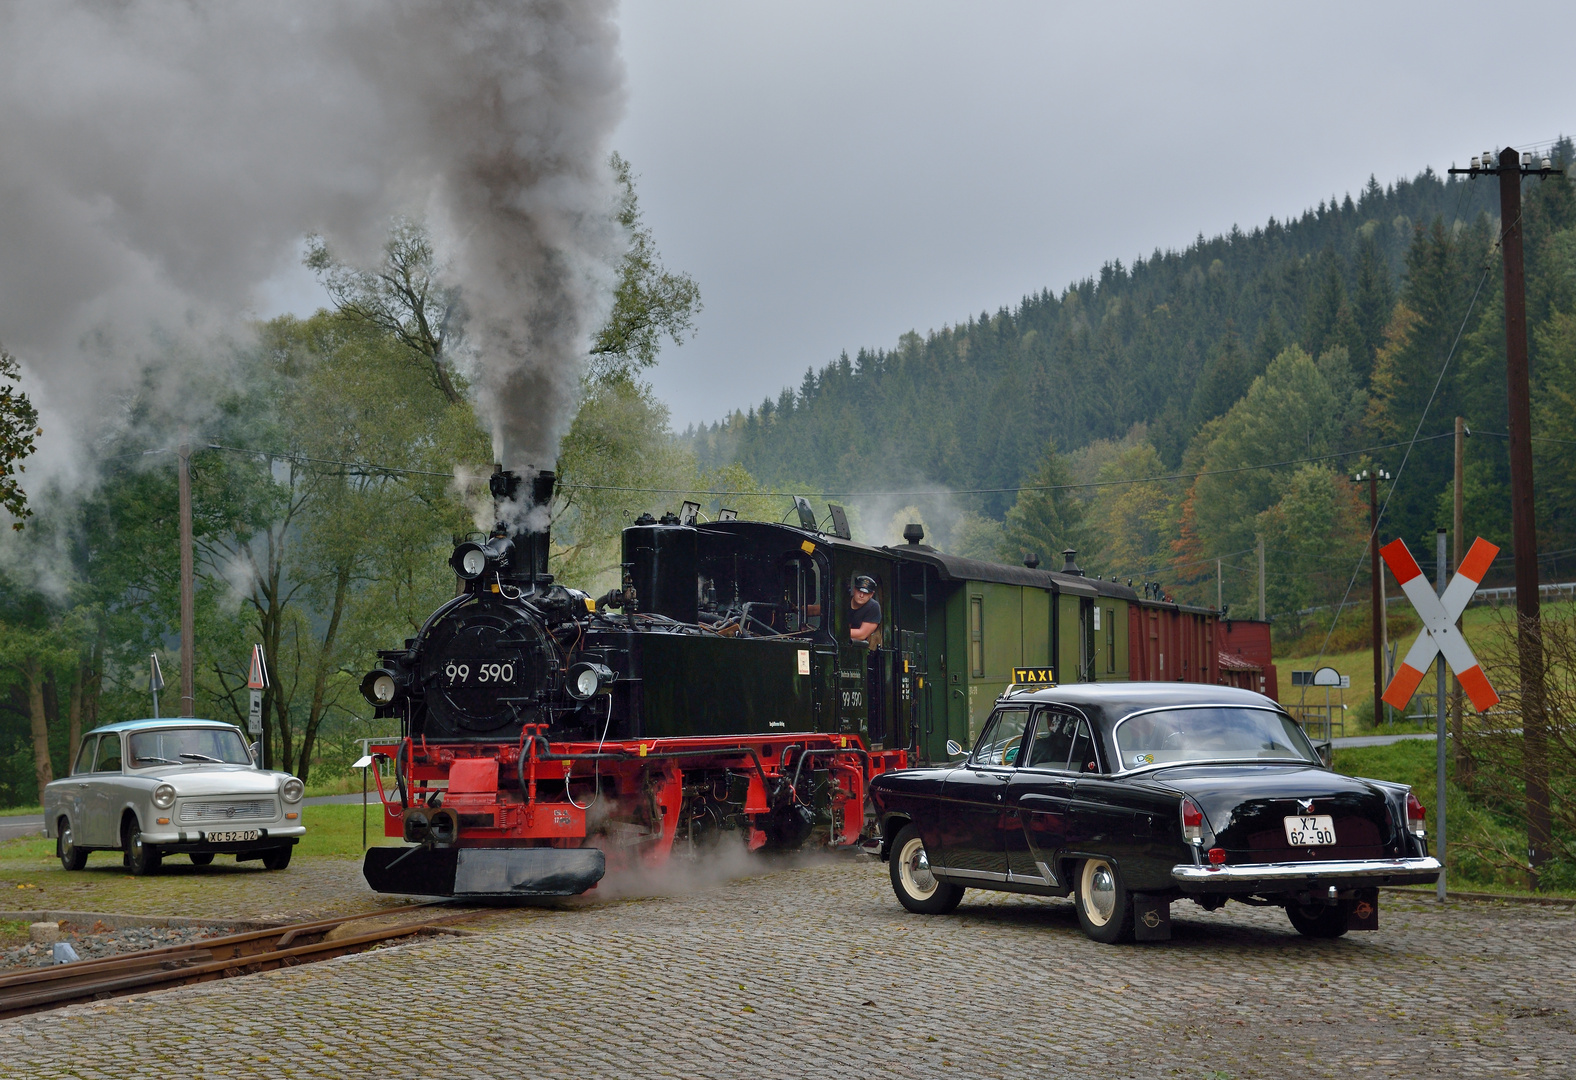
(1457, 732)
(1529, 632)
(1261, 579)
(183, 455)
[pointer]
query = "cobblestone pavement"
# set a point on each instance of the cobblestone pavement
(816, 971)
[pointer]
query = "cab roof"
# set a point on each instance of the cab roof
(162, 722)
(1114, 700)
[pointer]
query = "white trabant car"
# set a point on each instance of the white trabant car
(151, 788)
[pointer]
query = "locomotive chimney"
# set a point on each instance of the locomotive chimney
(913, 532)
(522, 517)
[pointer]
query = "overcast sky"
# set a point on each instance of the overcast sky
(835, 174)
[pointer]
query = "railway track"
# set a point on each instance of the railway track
(38, 989)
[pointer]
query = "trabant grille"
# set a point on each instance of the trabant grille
(221, 810)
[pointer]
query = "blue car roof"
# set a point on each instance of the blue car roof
(167, 721)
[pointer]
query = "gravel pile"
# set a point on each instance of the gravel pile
(100, 940)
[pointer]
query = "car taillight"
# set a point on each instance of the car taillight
(1192, 822)
(1414, 815)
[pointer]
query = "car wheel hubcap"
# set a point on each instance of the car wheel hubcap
(1101, 900)
(916, 870)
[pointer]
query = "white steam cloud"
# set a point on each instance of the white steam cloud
(161, 159)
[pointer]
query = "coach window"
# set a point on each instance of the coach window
(977, 636)
(1110, 639)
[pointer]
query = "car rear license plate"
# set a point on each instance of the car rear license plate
(1312, 830)
(240, 835)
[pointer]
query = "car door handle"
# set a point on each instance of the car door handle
(1040, 800)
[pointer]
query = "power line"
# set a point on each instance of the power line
(1373, 532)
(395, 470)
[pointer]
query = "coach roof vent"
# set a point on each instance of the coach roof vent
(1032, 560)
(1071, 567)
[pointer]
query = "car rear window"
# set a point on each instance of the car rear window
(187, 746)
(1210, 733)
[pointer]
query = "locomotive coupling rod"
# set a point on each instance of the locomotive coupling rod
(618, 755)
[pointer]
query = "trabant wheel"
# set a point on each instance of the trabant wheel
(1105, 908)
(141, 859)
(200, 858)
(916, 887)
(71, 856)
(278, 858)
(1320, 920)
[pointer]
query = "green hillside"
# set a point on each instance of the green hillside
(1150, 369)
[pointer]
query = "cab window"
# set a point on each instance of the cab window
(1083, 756)
(1053, 739)
(999, 743)
(108, 754)
(85, 757)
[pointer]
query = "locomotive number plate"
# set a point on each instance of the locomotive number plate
(475, 672)
(234, 836)
(1312, 830)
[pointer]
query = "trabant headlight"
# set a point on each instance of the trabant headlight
(164, 796)
(292, 789)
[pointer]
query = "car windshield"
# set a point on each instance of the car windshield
(1213, 733)
(188, 745)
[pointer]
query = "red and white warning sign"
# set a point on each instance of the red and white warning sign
(1439, 614)
(257, 679)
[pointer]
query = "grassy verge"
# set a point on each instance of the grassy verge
(1468, 823)
(331, 832)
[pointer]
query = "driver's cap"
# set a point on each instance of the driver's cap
(865, 583)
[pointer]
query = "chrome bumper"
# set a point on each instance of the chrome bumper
(1251, 877)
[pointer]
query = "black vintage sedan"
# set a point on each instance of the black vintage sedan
(1128, 796)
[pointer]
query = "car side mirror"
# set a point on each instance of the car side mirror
(953, 749)
(1326, 753)
(257, 758)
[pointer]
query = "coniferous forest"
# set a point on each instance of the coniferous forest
(1319, 337)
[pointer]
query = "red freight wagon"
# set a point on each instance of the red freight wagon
(1245, 658)
(1172, 643)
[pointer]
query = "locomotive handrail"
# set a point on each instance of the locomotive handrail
(864, 760)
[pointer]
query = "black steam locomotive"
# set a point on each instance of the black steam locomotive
(718, 692)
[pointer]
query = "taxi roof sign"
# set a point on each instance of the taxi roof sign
(1034, 676)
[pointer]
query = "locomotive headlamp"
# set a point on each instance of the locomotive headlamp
(379, 687)
(469, 560)
(587, 680)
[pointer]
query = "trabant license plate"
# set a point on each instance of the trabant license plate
(1312, 830)
(235, 836)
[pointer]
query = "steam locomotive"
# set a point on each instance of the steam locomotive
(716, 696)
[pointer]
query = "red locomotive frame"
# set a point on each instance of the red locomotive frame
(636, 800)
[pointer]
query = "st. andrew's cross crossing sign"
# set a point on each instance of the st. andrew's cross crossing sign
(1439, 615)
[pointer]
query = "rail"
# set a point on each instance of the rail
(29, 990)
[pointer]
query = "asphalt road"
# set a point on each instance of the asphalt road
(817, 972)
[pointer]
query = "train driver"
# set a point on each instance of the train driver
(864, 616)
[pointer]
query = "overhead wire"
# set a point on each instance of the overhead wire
(1373, 531)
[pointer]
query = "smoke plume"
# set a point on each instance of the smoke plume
(162, 159)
